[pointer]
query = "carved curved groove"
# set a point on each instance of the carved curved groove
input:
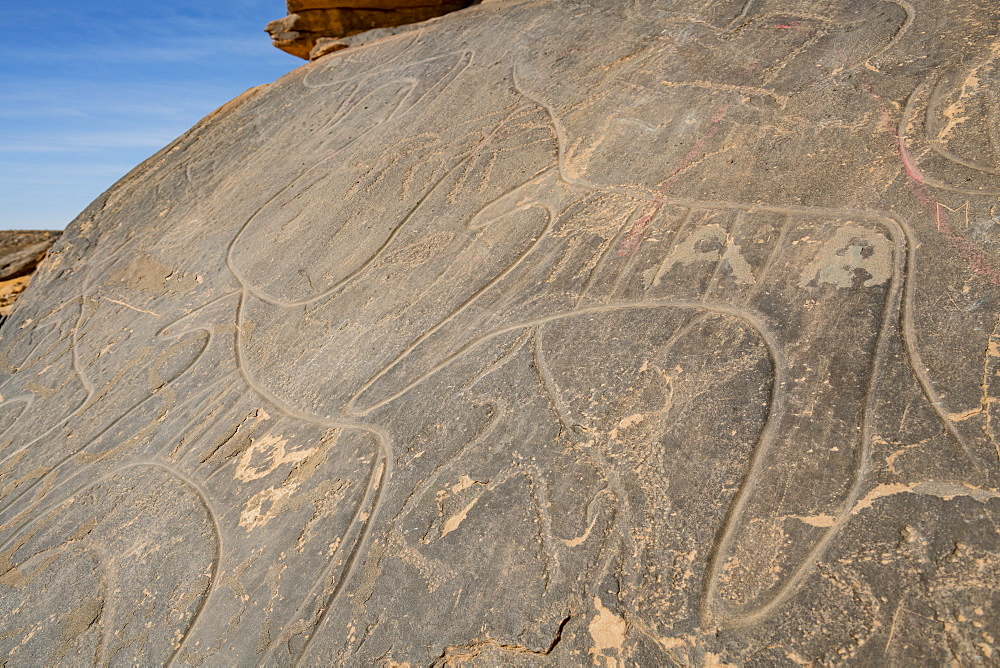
(8, 502)
(178, 476)
(932, 131)
(713, 609)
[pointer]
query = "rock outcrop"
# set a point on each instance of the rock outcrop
(545, 333)
(20, 253)
(315, 27)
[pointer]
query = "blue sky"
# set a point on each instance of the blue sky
(90, 89)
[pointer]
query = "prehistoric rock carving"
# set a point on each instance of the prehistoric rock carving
(483, 351)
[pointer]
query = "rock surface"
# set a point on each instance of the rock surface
(516, 339)
(20, 253)
(313, 28)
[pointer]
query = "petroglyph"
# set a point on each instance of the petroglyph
(675, 348)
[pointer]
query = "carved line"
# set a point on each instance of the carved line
(645, 304)
(161, 334)
(739, 18)
(366, 410)
(499, 363)
(619, 492)
(40, 511)
(28, 362)
(911, 16)
(391, 42)
(216, 558)
(730, 234)
(914, 360)
(909, 336)
(662, 269)
(374, 496)
(448, 78)
(27, 400)
(901, 138)
(931, 131)
(88, 388)
(918, 182)
(771, 260)
(382, 466)
(596, 459)
(354, 275)
(550, 218)
(648, 195)
(187, 482)
(777, 390)
(491, 427)
(607, 246)
(548, 382)
(711, 602)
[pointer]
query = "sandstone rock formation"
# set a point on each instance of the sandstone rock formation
(321, 23)
(549, 333)
(20, 253)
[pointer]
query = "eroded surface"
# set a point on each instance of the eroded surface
(516, 339)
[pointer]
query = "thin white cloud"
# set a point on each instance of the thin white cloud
(172, 51)
(109, 86)
(87, 141)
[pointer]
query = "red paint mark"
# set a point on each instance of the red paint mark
(912, 170)
(794, 25)
(973, 255)
(634, 236)
(970, 252)
(977, 260)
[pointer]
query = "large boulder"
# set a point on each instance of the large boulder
(550, 333)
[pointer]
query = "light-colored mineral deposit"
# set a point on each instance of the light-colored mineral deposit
(547, 333)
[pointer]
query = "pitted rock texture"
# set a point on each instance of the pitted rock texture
(513, 339)
(313, 28)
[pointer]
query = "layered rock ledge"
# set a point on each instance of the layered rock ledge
(314, 28)
(20, 253)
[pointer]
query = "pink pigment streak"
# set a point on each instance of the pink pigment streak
(972, 254)
(910, 165)
(634, 236)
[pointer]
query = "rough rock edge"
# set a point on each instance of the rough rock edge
(312, 33)
(23, 251)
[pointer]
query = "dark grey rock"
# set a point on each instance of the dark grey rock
(662, 333)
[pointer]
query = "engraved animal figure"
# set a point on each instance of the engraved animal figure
(726, 122)
(561, 306)
(322, 482)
